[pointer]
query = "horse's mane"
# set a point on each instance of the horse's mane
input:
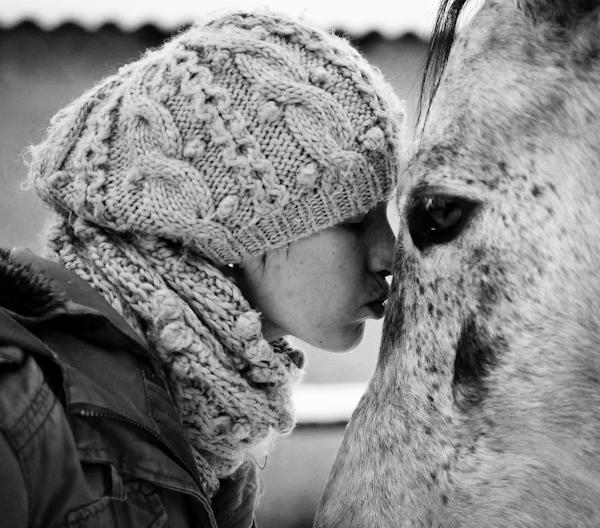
(440, 44)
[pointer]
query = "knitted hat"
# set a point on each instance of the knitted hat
(234, 138)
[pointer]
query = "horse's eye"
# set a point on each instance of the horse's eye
(437, 219)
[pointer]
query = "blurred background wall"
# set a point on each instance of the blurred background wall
(43, 66)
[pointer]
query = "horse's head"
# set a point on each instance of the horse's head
(484, 410)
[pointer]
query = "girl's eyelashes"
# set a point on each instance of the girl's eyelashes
(353, 226)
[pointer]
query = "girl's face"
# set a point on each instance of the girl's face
(323, 287)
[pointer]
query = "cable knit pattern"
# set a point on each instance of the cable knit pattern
(235, 137)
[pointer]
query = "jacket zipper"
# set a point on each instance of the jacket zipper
(87, 413)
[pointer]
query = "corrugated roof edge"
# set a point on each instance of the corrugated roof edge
(154, 26)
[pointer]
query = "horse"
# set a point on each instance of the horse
(484, 407)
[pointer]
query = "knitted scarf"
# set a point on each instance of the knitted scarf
(231, 387)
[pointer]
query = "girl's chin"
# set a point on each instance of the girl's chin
(346, 339)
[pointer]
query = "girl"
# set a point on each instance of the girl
(224, 191)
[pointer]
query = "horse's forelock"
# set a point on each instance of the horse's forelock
(440, 44)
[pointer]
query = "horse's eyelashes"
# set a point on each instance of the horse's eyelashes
(442, 214)
(437, 219)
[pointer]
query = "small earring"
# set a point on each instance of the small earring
(229, 270)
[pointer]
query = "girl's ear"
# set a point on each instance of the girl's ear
(561, 12)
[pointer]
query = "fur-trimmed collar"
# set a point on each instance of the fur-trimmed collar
(24, 291)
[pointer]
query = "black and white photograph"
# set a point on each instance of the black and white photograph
(309, 264)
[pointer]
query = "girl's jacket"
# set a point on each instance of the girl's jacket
(89, 435)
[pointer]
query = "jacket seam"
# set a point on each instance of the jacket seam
(34, 416)
(63, 372)
(101, 456)
(24, 473)
(148, 402)
(243, 503)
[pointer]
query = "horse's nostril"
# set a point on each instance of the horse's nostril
(437, 218)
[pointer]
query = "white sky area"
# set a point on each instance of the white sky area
(390, 18)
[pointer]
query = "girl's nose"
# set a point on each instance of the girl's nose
(381, 242)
